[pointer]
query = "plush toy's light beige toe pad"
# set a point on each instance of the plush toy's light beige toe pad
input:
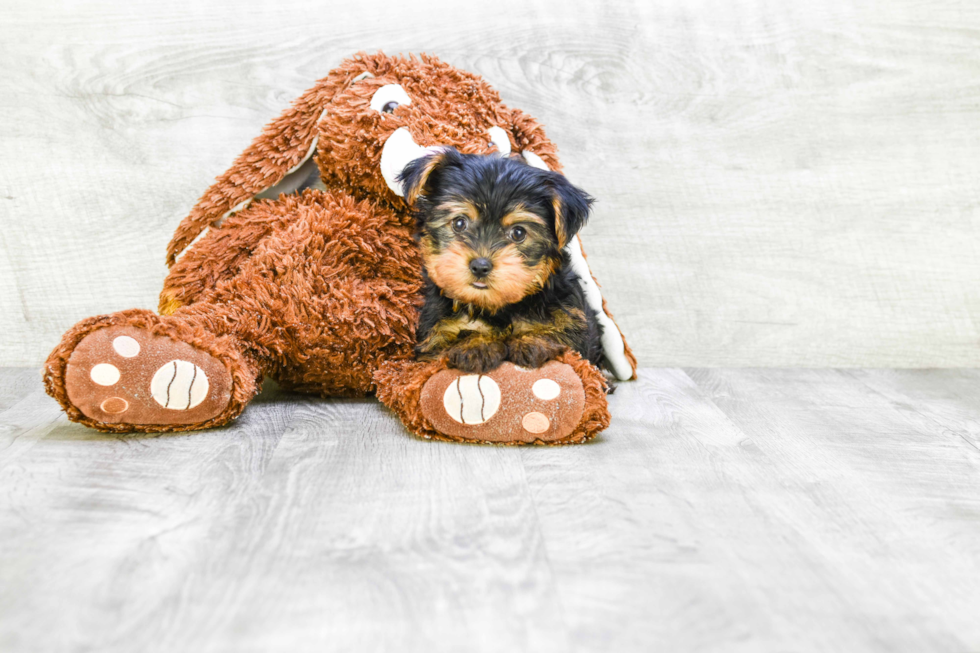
(509, 404)
(127, 375)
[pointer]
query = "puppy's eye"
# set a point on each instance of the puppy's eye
(388, 97)
(459, 225)
(518, 234)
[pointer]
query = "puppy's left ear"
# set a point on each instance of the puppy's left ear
(571, 206)
(422, 174)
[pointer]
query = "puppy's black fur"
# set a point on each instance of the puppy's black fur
(498, 282)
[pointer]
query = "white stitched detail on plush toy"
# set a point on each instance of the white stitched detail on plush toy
(126, 347)
(472, 399)
(612, 339)
(114, 405)
(535, 422)
(105, 374)
(534, 160)
(545, 389)
(499, 138)
(179, 385)
(399, 150)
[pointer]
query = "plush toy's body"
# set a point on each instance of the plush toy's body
(317, 282)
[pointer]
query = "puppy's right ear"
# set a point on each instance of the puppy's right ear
(571, 206)
(421, 175)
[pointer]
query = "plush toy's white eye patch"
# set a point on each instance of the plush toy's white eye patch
(389, 96)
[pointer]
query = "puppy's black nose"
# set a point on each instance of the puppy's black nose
(480, 267)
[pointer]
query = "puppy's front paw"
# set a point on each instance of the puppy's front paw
(477, 359)
(532, 352)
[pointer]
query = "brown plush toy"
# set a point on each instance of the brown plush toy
(299, 263)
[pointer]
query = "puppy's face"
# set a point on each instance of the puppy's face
(491, 228)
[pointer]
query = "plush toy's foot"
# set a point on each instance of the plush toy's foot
(561, 402)
(126, 375)
(138, 372)
(506, 405)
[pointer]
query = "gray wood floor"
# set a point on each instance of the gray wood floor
(725, 510)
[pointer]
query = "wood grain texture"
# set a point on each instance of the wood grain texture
(724, 510)
(778, 183)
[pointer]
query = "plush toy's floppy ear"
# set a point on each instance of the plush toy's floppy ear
(420, 175)
(285, 148)
(571, 206)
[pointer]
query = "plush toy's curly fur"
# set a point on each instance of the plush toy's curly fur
(329, 291)
(321, 289)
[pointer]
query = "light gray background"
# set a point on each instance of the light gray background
(779, 183)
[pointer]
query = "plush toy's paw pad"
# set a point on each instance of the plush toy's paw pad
(509, 404)
(126, 375)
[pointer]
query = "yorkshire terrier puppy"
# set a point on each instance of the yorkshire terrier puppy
(499, 285)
